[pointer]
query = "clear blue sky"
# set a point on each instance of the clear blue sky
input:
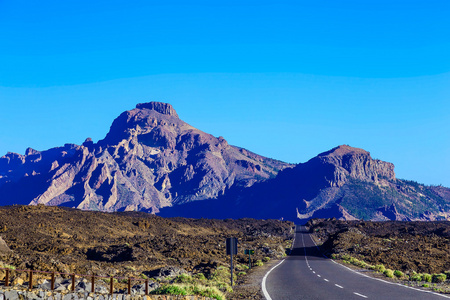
(285, 79)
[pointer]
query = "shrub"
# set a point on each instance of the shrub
(183, 278)
(416, 277)
(200, 276)
(266, 259)
(389, 273)
(259, 263)
(426, 277)
(398, 274)
(170, 290)
(426, 285)
(380, 268)
(439, 278)
(242, 273)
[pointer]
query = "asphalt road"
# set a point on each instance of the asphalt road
(307, 274)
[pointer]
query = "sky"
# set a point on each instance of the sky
(285, 79)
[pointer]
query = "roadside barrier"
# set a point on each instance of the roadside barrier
(9, 271)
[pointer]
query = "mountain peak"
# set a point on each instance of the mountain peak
(162, 108)
(344, 150)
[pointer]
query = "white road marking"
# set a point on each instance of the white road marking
(326, 280)
(314, 272)
(339, 286)
(263, 283)
(318, 275)
(360, 295)
(388, 282)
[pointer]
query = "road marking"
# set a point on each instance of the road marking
(314, 272)
(373, 278)
(360, 295)
(263, 284)
(339, 286)
(326, 280)
(318, 275)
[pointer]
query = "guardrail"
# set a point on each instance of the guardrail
(73, 277)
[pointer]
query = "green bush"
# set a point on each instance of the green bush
(389, 273)
(439, 278)
(398, 274)
(427, 277)
(259, 263)
(242, 273)
(170, 290)
(183, 278)
(266, 259)
(380, 268)
(416, 277)
(200, 276)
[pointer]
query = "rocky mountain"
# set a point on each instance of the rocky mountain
(344, 183)
(149, 159)
(152, 161)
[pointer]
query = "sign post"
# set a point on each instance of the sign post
(249, 252)
(231, 250)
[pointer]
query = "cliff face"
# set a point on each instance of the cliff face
(148, 160)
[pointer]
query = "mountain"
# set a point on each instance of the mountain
(152, 161)
(344, 183)
(149, 159)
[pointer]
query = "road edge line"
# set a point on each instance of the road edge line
(263, 283)
(379, 279)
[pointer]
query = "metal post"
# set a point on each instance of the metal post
(73, 282)
(93, 283)
(231, 268)
(146, 287)
(111, 285)
(52, 282)
(129, 286)
(31, 280)
(7, 278)
(249, 260)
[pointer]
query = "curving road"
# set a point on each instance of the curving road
(307, 274)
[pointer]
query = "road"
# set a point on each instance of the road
(307, 274)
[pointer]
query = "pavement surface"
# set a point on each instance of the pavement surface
(307, 274)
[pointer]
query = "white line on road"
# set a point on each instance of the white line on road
(266, 294)
(360, 295)
(318, 275)
(339, 286)
(314, 272)
(326, 280)
(263, 284)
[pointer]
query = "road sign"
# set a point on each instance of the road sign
(246, 251)
(232, 246)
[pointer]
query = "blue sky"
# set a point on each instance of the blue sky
(285, 79)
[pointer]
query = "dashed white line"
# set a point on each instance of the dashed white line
(326, 280)
(318, 275)
(314, 272)
(339, 286)
(359, 295)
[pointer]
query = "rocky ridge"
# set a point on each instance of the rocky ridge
(148, 160)
(345, 183)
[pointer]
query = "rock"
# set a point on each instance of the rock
(4, 249)
(171, 271)
(11, 295)
(18, 281)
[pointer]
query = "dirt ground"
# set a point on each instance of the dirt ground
(422, 247)
(131, 244)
